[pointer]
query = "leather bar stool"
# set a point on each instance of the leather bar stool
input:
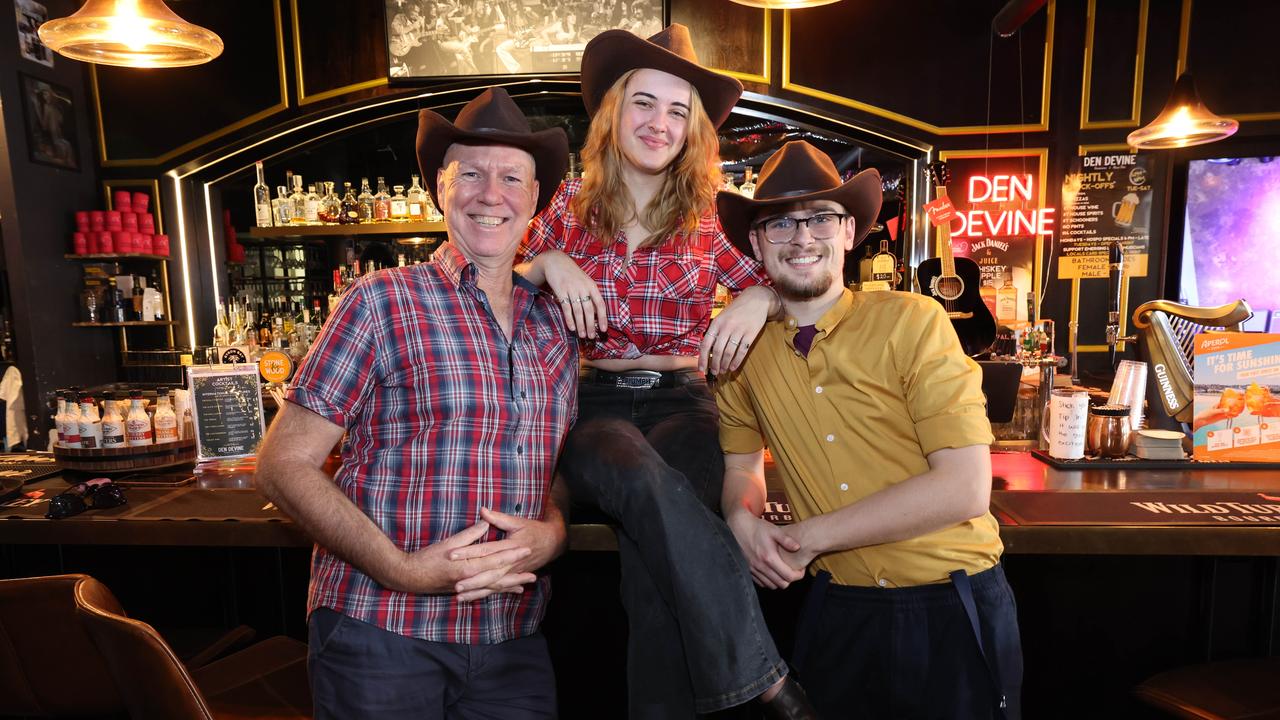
(266, 680)
(1227, 690)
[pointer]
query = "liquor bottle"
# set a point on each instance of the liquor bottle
(988, 294)
(158, 299)
(429, 208)
(399, 204)
(748, 188)
(221, 330)
(417, 211)
(350, 212)
(113, 430)
(382, 203)
(264, 328)
(365, 198)
(280, 206)
(728, 183)
(70, 432)
(330, 205)
(139, 295)
(297, 203)
(336, 295)
(312, 207)
(137, 427)
(166, 423)
(571, 171)
(90, 423)
(262, 199)
(1031, 306)
(116, 308)
(864, 268)
(883, 266)
(1007, 300)
(317, 317)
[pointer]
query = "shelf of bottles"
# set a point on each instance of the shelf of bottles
(114, 295)
(319, 210)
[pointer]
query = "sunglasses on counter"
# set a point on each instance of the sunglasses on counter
(98, 493)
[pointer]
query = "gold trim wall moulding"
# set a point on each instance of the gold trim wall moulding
(1135, 109)
(1184, 42)
(244, 122)
(303, 97)
(157, 207)
(1042, 154)
(1045, 90)
(766, 75)
(1104, 147)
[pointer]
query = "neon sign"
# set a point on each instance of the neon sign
(1003, 223)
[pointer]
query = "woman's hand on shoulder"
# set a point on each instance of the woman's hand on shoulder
(732, 332)
(584, 309)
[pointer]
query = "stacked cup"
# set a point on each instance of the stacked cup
(1130, 388)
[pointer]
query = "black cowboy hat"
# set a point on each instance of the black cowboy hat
(797, 173)
(492, 118)
(613, 53)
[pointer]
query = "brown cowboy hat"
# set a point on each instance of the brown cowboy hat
(613, 53)
(492, 118)
(797, 173)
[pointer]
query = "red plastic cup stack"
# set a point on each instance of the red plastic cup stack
(80, 243)
(140, 202)
(105, 244)
(122, 201)
(162, 245)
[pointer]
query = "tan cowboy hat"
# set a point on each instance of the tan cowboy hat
(492, 118)
(613, 53)
(797, 173)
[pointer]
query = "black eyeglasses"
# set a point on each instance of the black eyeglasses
(99, 494)
(822, 226)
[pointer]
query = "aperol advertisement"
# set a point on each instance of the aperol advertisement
(1237, 402)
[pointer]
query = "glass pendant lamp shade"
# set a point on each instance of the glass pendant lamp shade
(785, 4)
(130, 33)
(1184, 121)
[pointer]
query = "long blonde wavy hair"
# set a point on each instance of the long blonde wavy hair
(688, 191)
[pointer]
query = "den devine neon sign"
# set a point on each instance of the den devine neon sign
(1002, 223)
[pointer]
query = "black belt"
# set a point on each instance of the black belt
(641, 379)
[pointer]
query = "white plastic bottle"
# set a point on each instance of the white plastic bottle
(166, 422)
(60, 418)
(113, 430)
(71, 422)
(138, 424)
(90, 424)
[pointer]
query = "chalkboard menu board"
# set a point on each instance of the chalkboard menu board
(226, 401)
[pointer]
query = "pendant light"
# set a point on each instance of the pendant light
(784, 4)
(130, 33)
(1184, 121)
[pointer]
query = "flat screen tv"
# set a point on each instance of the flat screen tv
(1231, 236)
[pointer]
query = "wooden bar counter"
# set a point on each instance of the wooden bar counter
(1041, 509)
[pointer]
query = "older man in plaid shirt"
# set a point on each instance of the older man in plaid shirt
(455, 384)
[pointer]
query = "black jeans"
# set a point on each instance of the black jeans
(910, 653)
(359, 670)
(651, 460)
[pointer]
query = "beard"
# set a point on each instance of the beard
(798, 290)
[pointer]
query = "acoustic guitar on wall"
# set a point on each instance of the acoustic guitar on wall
(956, 282)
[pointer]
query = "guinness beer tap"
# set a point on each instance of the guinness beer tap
(1115, 258)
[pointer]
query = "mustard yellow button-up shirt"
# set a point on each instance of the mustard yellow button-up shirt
(885, 384)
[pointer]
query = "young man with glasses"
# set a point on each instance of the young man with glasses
(876, 421)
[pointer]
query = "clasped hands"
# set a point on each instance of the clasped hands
(462, 565)
(777, 555)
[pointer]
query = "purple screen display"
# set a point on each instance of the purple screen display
(1232, 238)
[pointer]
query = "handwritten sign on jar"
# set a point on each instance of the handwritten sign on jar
(1068, 411)
(226, 402)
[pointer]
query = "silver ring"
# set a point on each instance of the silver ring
(564, 299)
(584, 298)
(736, 342)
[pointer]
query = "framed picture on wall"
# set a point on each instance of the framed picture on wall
(51, 123)
(450, 38)
(31, 15)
